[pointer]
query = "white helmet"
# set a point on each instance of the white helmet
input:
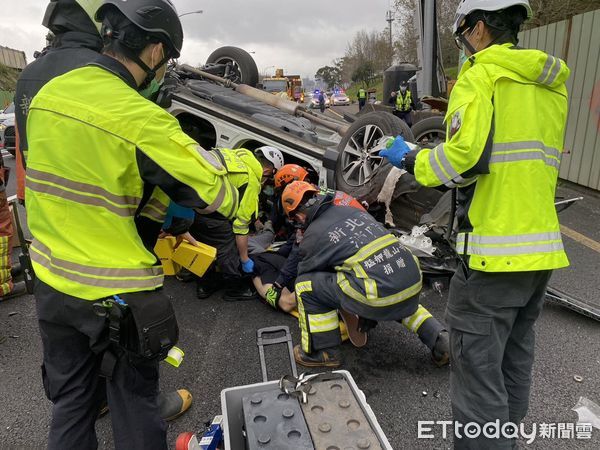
(271, 154)
(466, 7)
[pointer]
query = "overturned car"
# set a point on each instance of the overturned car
(218, 106)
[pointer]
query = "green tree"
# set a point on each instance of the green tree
(329, 75)
(365, 74)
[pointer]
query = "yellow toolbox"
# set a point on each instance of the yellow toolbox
(164, 250)
(195, 259)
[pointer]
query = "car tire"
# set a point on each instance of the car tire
(368, 176)
(242, 61)
(430, 132)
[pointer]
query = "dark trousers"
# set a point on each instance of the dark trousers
(74, 339)
(319, 297)
(491, 318)
(404, 115)
(361, 103)
(218, 232)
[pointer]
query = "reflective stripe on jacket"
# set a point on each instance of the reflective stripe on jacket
(95, 145)
(372, 267)
(505, 130)
(244, 172)
(404, 102)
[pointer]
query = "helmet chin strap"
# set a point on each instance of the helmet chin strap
(467, 45)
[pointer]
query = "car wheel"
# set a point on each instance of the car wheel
(359, 170)
(240, 61)
(430, 132)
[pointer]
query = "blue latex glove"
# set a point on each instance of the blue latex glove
(395, 151)
(248, 266)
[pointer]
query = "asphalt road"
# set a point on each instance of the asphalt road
(394, 369)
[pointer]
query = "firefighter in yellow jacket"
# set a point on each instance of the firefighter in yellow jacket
(506, 123)
(98, 152)
(230, 237)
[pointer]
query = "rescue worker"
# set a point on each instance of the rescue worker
(87, 179)
(270, 158)
(362, 98)
(349, 261)
(75, 42)
(245, 174)
(506, 124)
(276, 271)
(403, 103)
(8, 288)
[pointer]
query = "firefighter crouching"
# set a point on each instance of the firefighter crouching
(350, 261)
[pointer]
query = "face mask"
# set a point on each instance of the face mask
(153, 87)
(462, 58)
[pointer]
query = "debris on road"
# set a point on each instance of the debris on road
(588, 412)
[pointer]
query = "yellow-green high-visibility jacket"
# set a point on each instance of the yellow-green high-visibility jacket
(404, 102)
(362, 93)
(505, 130)
(100, 155)
(244, 172)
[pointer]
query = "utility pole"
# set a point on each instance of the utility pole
(389, 18)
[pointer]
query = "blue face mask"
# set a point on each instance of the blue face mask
(462, 58)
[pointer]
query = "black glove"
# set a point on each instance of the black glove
(179, 226)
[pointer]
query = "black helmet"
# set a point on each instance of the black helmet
(72, 15)
(156, 17)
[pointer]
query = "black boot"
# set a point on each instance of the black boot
(240, 290)
(206, 286)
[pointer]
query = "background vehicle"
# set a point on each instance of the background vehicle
(339, 99)
(314, 101)
(217, 115)
(7, 129)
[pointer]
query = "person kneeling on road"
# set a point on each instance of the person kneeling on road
(245, 173)
(349, 261)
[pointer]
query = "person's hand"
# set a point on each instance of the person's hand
(248, 266)
(186, 237)
(396, 151)
(273, 295)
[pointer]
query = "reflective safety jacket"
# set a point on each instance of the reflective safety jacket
(372, 267)
(404, 102)
(244, 172)
(97, 152)
(362, 94)
(505, 130)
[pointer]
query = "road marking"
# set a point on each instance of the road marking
(336, 113)
(590, 243)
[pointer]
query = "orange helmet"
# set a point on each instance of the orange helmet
(289, 173)
(294, 193)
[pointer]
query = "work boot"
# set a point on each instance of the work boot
(19, 288)
(170, 405)
(205, 287)
(241, 291)
(185, 275)
(441, 350)
(174, 404)
(327, 357)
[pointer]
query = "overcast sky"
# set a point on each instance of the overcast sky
(297, 35)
